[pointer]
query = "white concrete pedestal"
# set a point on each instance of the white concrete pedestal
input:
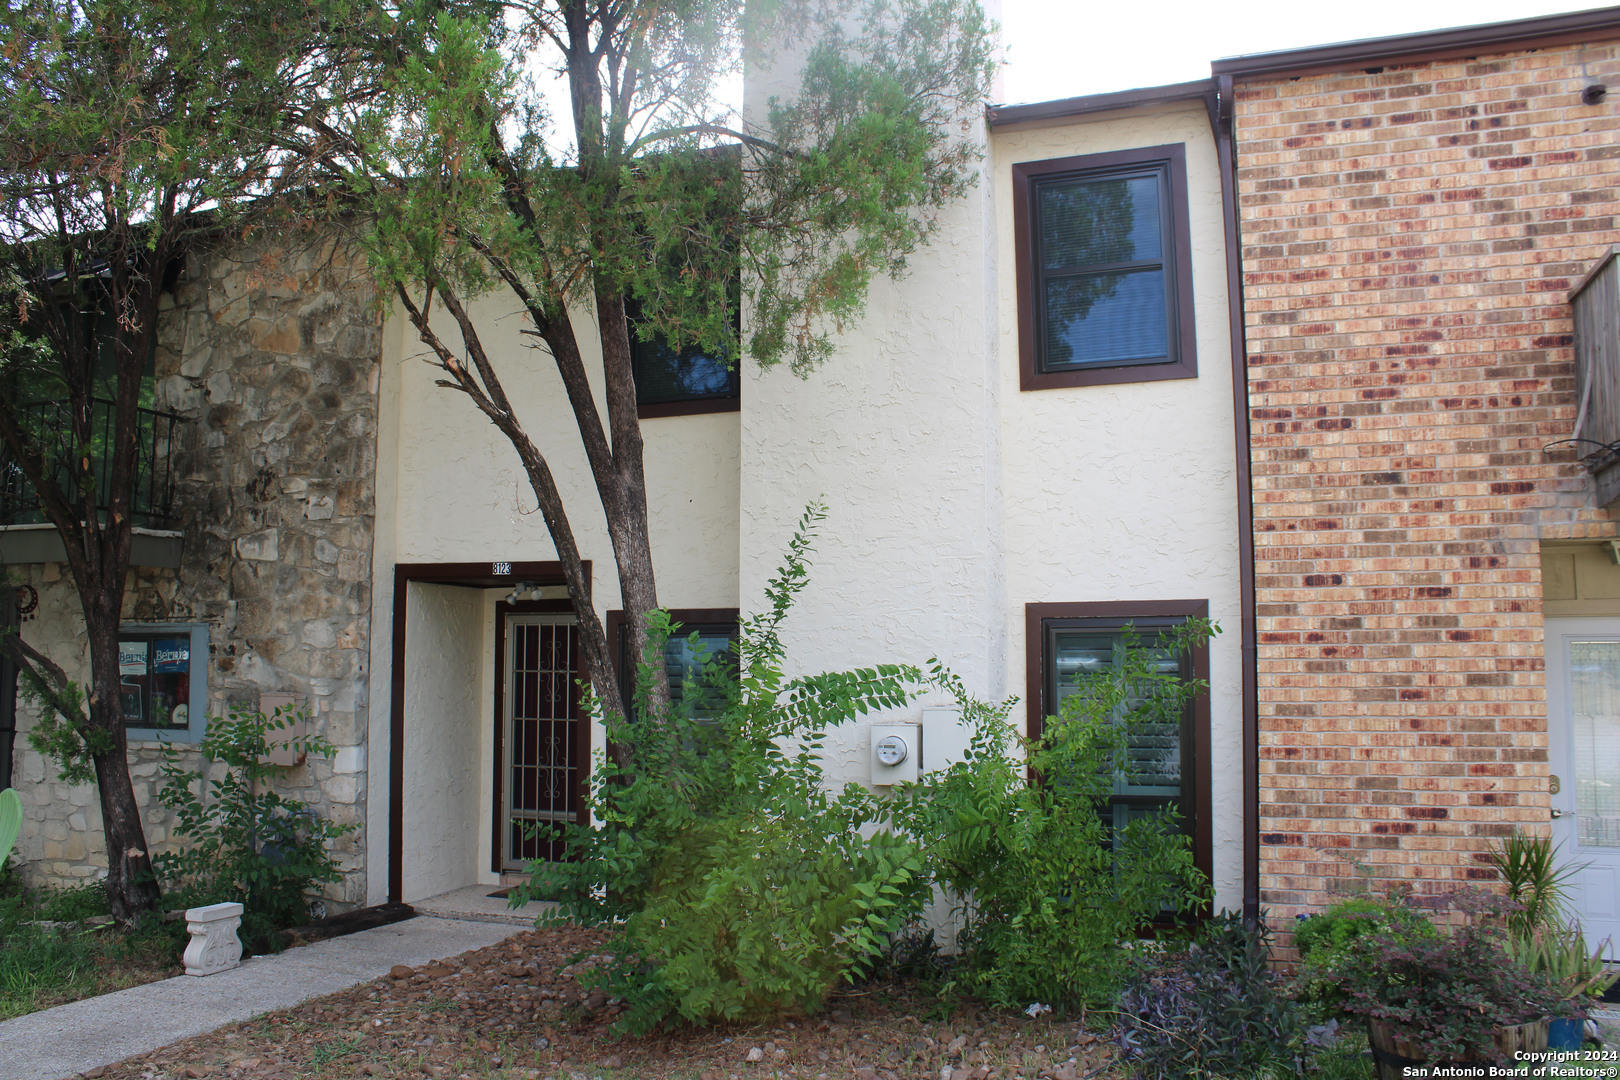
(214, 946)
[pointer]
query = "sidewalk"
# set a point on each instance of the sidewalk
(71, 1039)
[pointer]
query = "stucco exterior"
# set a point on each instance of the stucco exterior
(1127, 492)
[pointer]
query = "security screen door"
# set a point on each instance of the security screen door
(541, 748)
(1583, 722)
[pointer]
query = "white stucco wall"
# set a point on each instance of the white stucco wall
(444, 718)
(1128, 492)
(463, 495)
(898, 434)
(956, 498)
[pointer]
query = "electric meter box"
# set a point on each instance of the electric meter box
(896, 753)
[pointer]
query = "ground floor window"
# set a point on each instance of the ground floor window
(715, 630)
(162, 680)
(1169, 761)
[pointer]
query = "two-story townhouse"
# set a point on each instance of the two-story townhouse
(1025, 446)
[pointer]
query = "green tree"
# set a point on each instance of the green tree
(129, 131)
(664, 203)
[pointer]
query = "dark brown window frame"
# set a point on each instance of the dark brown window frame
(716, 403)
(1177, 261)
(1195, 727)
(614, 625)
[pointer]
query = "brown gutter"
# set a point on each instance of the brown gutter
(1004, 116)
(1509, 36)
(1226, 150)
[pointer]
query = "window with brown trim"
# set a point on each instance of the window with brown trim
(679, 382)
(1066, 640)
(1104, 269)
(716, 631)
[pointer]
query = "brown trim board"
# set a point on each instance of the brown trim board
(1001, 117)
(1511, 36)
(1226, 153)
(472, 575)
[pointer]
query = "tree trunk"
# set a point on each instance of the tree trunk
(9, 623)
(131, 885)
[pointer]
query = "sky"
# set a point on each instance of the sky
(1064, 48)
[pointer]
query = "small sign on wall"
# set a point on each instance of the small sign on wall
(282, 751)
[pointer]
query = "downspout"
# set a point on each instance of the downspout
(1222, 118)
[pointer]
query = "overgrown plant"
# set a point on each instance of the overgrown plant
(1217, 1010)
(241, 840)
(1049, 886)
(734, 882)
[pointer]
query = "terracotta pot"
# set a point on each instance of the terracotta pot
(1393, 1052)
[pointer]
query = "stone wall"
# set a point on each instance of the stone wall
(1411, 234)
(271, 352)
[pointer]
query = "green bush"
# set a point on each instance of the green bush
(1327, 943)
(734, 883)
(1050, 888)
(244, 842)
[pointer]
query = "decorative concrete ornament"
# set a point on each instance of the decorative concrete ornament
(214, 946)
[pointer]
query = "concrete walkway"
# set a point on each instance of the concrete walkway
(70, 1039)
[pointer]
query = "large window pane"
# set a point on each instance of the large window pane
(1595, 696)
(1107, 318)
(1155, 749)
(1100, 221)
(665, 375)
(154, 680)
(684, 664)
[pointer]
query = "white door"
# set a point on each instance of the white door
(1583, 721)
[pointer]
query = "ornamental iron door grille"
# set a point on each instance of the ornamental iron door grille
(541, 789)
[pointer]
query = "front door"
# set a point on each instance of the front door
(1583, 715)
(543, 751)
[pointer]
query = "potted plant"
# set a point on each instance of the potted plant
(1451, 999)
(1560, 953)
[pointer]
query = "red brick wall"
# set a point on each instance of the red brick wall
(1410, 237)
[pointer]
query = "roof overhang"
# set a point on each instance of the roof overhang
(1047, 112)
(1593, 25)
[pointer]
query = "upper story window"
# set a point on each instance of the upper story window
(1104, 269)
(676, 382)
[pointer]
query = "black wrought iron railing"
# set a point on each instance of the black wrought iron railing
(152, 493)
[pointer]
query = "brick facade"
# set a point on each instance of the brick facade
(1410, 236)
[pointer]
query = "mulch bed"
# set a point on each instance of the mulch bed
(515, 1011)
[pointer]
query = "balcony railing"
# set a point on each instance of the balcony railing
(152, 493)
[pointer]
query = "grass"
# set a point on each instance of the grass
(46, 965)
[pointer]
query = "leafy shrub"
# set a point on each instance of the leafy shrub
(1326, 942)
(1217, 1010)
(1448, 993)
(735, 884)
(1050, 887)
(244, 842)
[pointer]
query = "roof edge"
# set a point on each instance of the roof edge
(1000, 116)
(1428, 44)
